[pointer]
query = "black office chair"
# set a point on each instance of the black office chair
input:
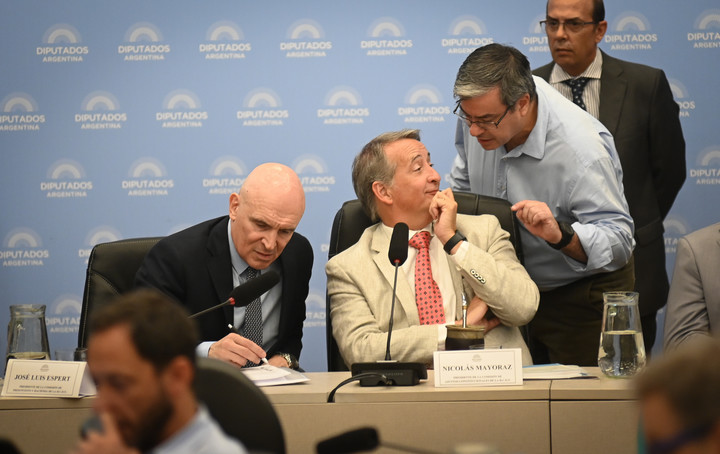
(351, 221)
(110, 272)
(243, 411)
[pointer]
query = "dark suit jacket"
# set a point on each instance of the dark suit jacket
(637, 107)
(194, 267)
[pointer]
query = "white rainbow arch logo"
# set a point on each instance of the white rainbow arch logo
(23, 237)
(386, 26)
(309, 163)
(342, 96)
(102, 235)
(305, 28)
(708, 19)
(227, 166)
(631, 21)
(100, 100)
(181, 99)
(467, 25)
(147, 167)
(262, 97)
(426, 94)
(224, 30)
(19, 102)
(66, 169)
(143, 32)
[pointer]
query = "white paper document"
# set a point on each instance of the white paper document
(267, 375)
(554, 372)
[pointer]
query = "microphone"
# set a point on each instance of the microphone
(391, 372)
(247, 292)
(363, 439)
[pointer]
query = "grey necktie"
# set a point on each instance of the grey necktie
(578, 85)
(252, 327)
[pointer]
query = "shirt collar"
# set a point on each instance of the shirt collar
(238, 264)
(594, 71)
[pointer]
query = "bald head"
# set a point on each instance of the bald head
(265, 213)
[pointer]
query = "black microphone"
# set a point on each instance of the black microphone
(391, 372)
(247, 292)
(363, 439)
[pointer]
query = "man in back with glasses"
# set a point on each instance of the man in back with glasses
(519, 139)
(636, 104)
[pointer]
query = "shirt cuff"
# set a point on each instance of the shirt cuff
(203, 349)
(459, 255)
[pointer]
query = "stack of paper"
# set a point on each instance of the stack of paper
(553, 372)
(267, 375)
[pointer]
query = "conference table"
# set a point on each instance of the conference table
(589, 415)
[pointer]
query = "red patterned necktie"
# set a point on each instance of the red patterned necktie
(427, 293)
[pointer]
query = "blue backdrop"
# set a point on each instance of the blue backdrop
(137, 118)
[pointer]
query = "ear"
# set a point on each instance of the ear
(600, 31)
(234, 204)
(523, 104)
(178, 375)
(382, 193)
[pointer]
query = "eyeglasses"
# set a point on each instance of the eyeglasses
(483, 124)
(572, 25)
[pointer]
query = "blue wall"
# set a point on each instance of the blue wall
(137, 118)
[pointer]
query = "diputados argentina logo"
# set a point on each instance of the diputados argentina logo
(675, 228)
(181, 110)
(224, 40)
(144, 43)
(102, 234)
(706, 171)
(227, 174)
(23, 247)
(64, 315)
(147, 179)
(682, 98)
(465, 35)
(707, 30)
(423, 104)
(631, 31)
(100, 110)
(536, 39)
(66, 179)
(315, 310)
(313, 173)
(387, 39)
(343, 107)
(262, 107)
(305, 39)
(61, 44)
(19, 113)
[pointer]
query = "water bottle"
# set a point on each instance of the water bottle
(622, 349)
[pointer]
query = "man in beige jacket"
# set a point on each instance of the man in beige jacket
(470, 256)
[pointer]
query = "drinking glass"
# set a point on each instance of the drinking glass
(622, 350)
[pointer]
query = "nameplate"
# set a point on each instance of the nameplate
(41, 378)
(491, 367)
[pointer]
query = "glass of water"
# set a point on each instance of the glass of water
(622, 349)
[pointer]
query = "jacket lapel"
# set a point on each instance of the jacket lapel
(612, 93)
(220, 266)
(404, 297)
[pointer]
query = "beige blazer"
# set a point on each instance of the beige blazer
(360, 283)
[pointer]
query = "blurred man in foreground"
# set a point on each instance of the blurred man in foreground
(465, 255)
(680, 400)
(141, 354)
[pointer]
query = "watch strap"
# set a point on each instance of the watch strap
(453, 241)
(567, 235)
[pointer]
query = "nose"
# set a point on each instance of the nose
(477, 129)
(269, 240)
(434, 176)
(561, 32)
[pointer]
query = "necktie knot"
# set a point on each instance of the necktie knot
(421, 240)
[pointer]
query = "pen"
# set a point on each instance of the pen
(232, 329)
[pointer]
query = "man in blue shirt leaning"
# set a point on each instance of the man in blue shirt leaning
(521, 140)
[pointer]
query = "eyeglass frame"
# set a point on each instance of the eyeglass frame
(574, 23)
(482, 124)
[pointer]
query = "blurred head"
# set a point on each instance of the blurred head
(394, 179)
(141, 354)
(680, 399)
(495, 92)
(575, 49)
(265, 213)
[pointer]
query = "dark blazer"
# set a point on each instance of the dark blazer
(194, 267)
(637, 107)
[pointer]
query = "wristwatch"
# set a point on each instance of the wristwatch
(567, 235)
(291, 360)
(455, 239)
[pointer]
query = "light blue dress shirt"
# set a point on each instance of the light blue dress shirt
(569, 162)
(202, 436)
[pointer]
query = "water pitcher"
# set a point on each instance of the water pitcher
(27, 333)
(622, 350)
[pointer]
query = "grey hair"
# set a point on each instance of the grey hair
(495, 65)
(371, 165)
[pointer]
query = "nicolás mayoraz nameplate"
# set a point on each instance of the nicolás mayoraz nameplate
(491, 367)
(36, 378)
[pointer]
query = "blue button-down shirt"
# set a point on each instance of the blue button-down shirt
(569, 162)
